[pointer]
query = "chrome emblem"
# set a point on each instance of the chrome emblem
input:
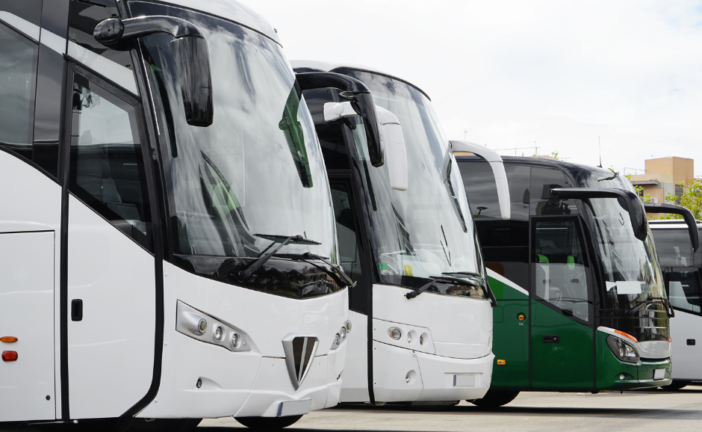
(299, 354)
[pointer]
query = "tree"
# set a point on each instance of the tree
(692, 198)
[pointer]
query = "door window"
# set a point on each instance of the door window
(107, 167)
(684, 290)
(346, 230)
(18, 61)
(560, 266)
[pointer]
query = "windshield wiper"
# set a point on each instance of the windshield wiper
(458, 281)
(341, 277)
(666, 302)
(251, 268)
(616, 174)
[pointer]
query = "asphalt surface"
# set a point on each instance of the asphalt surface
(655, 410)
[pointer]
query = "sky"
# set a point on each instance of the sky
(560, 75)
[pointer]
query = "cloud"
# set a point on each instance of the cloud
(514, 73)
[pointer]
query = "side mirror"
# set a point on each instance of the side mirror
(360, 100)
(628, 200)
(394, 142)
(498, 170)
(685, 213)
(190, 51)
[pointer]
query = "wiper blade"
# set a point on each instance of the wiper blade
(254, 266)
(453, 280)
(341, 276)
(467, 273)
(616, 174)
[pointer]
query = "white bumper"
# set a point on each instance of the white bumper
(408, 376)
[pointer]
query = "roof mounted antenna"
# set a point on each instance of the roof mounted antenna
(599, 144)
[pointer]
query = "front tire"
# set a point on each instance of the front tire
(495, 399)
(267, 423)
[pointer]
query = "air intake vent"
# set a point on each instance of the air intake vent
(299, 353)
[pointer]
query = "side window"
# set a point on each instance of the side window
(685, 291)
(560, 266)
(106, 165)
(346, 230)
(18, 71)
(542, 202)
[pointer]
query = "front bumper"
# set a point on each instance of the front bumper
(403, 375)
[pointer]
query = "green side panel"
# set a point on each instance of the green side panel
(565, 365)
(636, 375)
(510, 337)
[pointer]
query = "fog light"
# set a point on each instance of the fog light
(407, 378)
(343, 332)
(202, 325)
(409, 337)
(218, 333)
(622, 377)
(235, 340)
(395, 333)
(337, 339)
(348, 325)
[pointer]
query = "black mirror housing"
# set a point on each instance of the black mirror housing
(190, 51)
(361, 100)
(628, 200)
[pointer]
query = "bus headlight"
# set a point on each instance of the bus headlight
(194, 323)
(622, 350)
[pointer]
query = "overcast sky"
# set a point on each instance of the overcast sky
(553, 74)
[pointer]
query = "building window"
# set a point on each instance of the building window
(678, 193)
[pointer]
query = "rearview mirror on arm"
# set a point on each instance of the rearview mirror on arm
(394, 144)
(190, 51)
(682, 211)
(359, 99)
(498, 170)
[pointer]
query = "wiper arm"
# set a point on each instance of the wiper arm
(454, 280)
(340, 277)
(666, 302)
(616, 174)
(254, 266)
(484, 284)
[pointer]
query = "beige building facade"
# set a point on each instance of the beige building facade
(663, 176)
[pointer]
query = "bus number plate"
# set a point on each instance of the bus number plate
(659, 374)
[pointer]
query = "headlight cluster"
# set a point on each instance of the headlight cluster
(198, 325)
(623, 350)
(340, 337)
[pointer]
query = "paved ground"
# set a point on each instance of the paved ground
(629, 411)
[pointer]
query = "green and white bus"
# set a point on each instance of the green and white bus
(581, 298)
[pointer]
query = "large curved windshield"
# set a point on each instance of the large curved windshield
(632, 274)
(426, 230)
(255, 176)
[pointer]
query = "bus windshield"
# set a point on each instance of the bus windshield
(633, 281)
(428, 229)
(256, 174)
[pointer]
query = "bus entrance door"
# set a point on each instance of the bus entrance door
(561, 306)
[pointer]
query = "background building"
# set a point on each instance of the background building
(663, 176)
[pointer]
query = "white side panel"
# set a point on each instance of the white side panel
(111, 351)
(460, 326)
(686, 358)
(396, 374)
(354, 386)
(454, 379)
(27, 313)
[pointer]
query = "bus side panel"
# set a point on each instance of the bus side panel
(510, 337)
(687, 353)
(27, 313)
(567, 363)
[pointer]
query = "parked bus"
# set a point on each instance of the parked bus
(581, 300)
(681, 263)
(167, 237)
(422, 308)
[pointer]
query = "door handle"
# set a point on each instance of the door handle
(691, 342)
(77, 310)
(551, 339)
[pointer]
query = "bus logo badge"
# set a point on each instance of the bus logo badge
(299, 353)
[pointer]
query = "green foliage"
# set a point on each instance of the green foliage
(554, 155)
(692, 198)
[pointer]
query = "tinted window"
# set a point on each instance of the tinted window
(673, 247)
(107, 168)
(331, 136)
(560, 266)
(18, 60)
(479, 182)
(542, 202)
(684, 290)
(346, 230)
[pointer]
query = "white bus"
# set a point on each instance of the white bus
(421, 312)
(677, 246)
(167, 237)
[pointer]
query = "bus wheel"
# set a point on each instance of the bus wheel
(495, 399)
(163, 425)
(267, 423)
(676, 385)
